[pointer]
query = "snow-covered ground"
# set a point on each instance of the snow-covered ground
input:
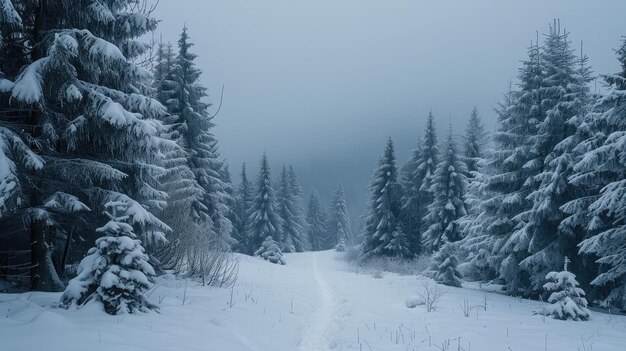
(315, 302)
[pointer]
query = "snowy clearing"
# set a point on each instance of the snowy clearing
(315, 302)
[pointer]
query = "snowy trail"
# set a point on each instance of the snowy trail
(316, 337)
(316, 302)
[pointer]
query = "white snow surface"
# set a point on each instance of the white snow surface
(315, 302)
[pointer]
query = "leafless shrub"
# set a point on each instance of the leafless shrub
(375, 265)
(430, 292)
(204, 258)
(215, 266)
(466, 308)
(352, 254)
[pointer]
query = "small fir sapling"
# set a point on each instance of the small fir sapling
(116, 272)
(270, 251)
(444, 265)
(567, 299)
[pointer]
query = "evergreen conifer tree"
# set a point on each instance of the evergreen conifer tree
(444, 265)
(567, 300)
(270, 251)
(383, 234)
(316, 223)
(603, 170)
(230, 201)
(429, 159)
(244, 199)
(475, 142)
(506, 183)
(291, 229)
(449, 184)
(565, 97)
(339, 228)
(264, 220)
(302, 244)
(194, 124)
(413, 209)
(184, 212)
(476, 246)
(116, 271)
(85, 113)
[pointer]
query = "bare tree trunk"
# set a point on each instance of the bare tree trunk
(43, 275)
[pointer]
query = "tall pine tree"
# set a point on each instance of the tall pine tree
(339, 228)
(195, 126)
(449, 184)
(185, 212)
(316, 223)
(84, 112)
(603, 171)
(292, 232)
(518, 117)
(565, 97)
(475, 142)
(413, 209)
(243, 201)
(264, 220)
(296, 190)
(382, 232)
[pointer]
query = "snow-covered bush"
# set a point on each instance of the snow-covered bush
(414, 301)
(116, 271)
(567, 299)
(270, 251)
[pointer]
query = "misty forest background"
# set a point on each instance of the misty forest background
(107, 137)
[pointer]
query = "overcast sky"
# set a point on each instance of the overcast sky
(321, 84)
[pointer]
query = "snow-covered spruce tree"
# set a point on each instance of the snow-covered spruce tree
(339, 228)
(570, 152)
(475, 142)
(444, 264)
(383, 234)
(244, 198)
(116, 271)
(473, 250)
(17, 160)
(474, 152)
(429, 159)
(566, 300)
(270, 251)
(603, 169)
(449, 184)
(164, 86)
(292, 232)
(316, 222)
(413, 209)
(565, 96)
(191, 124)
(85, 116)
(517, 119)
(264, 220)
(303, 243)
(185, 213)
(230, 201)
(417, 185)
(477, 244)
